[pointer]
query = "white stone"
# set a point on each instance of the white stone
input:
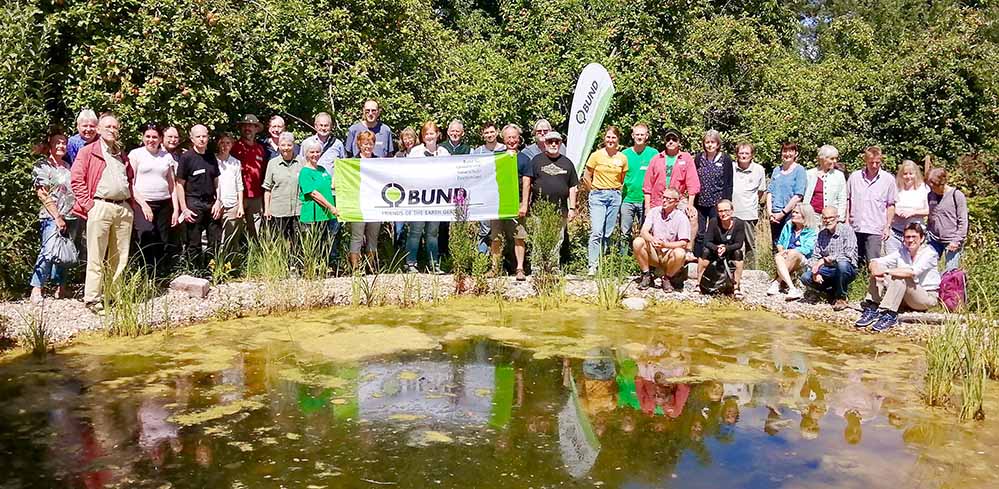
(192, 286)
(634, 303)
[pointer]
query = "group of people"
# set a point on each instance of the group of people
(702, 208)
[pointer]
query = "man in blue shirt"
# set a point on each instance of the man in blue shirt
(371, 121)
(86, 127)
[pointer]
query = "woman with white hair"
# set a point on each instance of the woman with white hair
(316, 189)
(281, 202)
(794, 248)
(826, 185)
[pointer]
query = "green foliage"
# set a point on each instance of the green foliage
(612, 279)
(462, 245)
(545, 223)
(127, 301)
(35, 336)
(268, 257)
(816, 72)
(314, 252)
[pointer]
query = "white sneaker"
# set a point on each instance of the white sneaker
(794, 294)
(774, 288)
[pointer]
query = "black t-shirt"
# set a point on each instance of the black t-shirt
(553, 177)
(199, 172)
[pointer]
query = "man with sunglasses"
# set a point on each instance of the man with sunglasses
(834, 261)
(663, 242)
(541, 128)
(371, 121)
(673, 168)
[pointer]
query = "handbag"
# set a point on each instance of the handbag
(60, 250)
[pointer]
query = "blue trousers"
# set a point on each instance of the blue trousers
(836, 279)
(604, 208)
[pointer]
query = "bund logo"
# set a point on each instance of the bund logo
(393, 194)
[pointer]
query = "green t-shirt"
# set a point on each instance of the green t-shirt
(670, 161)
(308, 181)
(633, 181)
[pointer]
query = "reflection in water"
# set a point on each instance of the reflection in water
(628, 408)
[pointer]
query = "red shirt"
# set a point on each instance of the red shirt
(818, 198)
(253, 157)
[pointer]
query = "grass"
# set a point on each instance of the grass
(35, 336)
(943, 357)
(366, 289)
(411, 290)
(481, 264)
(127, 302)
(546, 224)
(268, 256)
(612, 279)
(462, 245)
(313, 255)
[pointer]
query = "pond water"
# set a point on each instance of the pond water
(471, 393)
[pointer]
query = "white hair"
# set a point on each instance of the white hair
(286, 136)
(828, 151)
(458, 122)
(86, 115)
(712, 134)
(512, 126)
(308, 144)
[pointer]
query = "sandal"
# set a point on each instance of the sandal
(520, 275)
(737, 293)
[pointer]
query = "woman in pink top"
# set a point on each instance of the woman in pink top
(156, 209)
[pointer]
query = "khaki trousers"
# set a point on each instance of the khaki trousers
(109, 229)
(890, 293)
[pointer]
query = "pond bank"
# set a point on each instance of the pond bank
(68, 317)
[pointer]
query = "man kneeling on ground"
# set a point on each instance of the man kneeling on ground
(834, 261)
(663, 243)
(724, 239)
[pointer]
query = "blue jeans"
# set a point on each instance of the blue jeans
(46, 271)
(630, 212)
(704, 213)
(952, 259)
(604, 207)
(416, 230)
(835, 279)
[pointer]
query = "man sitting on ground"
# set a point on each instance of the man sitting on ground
(834, 261)
(663, 243)
(724, 239)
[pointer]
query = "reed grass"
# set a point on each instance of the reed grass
(612, 280)
(35, 337)
(313, 254)
(943, 363)
(462, 245)
(127, 301)
(546, 224)
(481, 264)
(268, 257)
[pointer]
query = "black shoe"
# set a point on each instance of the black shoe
(868, 317)
(645, 281)
(886, 320)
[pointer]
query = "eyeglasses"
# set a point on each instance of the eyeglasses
(542, 131)
(672, 139)
(829, 218)
(370, 110)
(555, 142)
(670, 199)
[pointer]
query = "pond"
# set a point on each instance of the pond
(472, 393)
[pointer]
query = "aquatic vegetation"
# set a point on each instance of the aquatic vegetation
(546, 225)
(215, 412)
(35, 336)
(943, 356)
(313, 254)
(127, 301)
(366, 341)
(411, 290)
(268, 256)
(481, 264)
(612, 280)
(462, 242)
(973, 378)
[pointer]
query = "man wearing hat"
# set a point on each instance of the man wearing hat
(673, 168)
(253, 157)
(555, 178)
(541, 128)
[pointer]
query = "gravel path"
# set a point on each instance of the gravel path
(68, 317)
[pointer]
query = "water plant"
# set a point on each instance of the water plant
(612, 280)
(481, 264)
(411, 290)
(35, 336)
(127, 301)
(462, 244)
(943, 357)
(974, 374)
(366, 290)
(268, 256)
(313, 254)
(545, 239)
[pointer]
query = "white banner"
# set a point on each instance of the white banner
(427, 189)
(593, 94)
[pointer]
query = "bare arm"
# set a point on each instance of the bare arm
(525, 195)
(572, 202)
(49, 203)
(318, 197)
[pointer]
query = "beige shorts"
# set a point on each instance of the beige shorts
(515, 227)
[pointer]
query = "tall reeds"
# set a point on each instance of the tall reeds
(127, 301)
(35, 337)
(314, 254)
(612, 279)
(268, 257)
(546, 224)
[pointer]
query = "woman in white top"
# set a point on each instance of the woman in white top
(230, 189)
(826, 185)
(911, 202)
(155, 203)
(429, 134)
(908, 276)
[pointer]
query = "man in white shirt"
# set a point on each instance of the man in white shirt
(749, 182)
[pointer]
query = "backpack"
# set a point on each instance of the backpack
(717, 278)
(953, 289)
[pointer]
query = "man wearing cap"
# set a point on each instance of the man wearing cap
(555, 178)
(541, 128)
(331, 147)
(371, 121)
(253, 157)
(673, 168)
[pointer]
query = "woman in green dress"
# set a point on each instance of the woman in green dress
(316, 193)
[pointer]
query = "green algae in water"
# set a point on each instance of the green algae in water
(215, 412)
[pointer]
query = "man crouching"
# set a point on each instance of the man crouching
(663, 243)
